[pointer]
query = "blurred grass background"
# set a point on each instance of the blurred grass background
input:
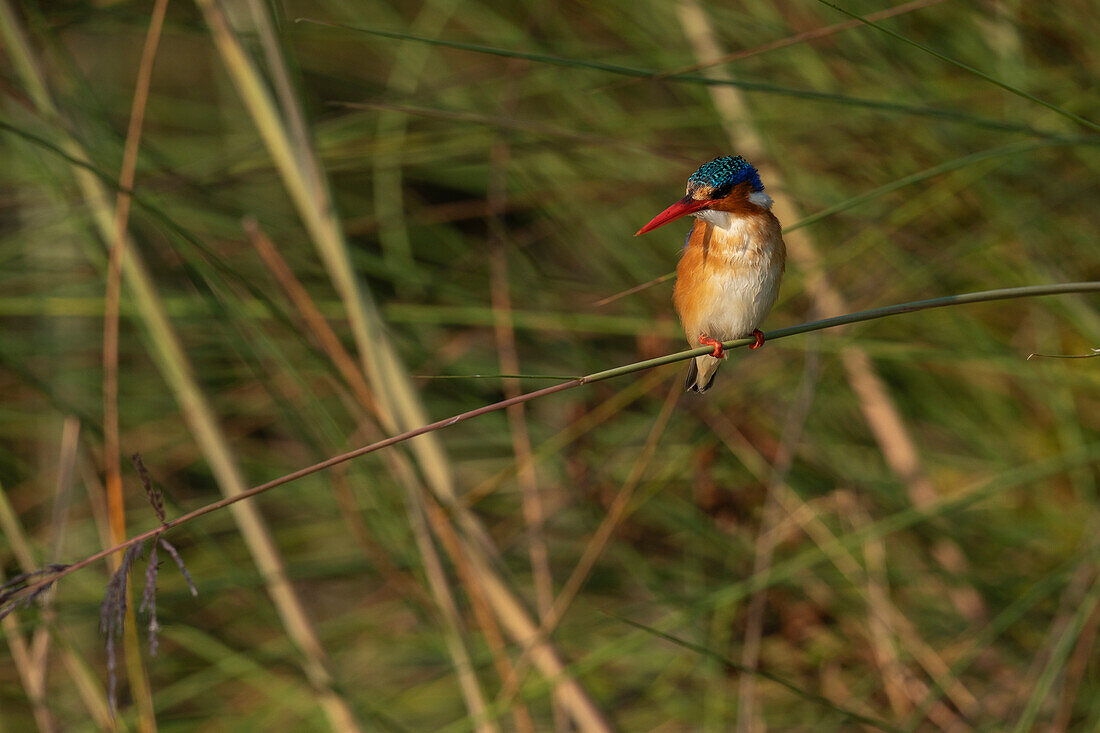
(899, 517)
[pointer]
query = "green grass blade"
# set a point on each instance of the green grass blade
(967, 67)
(750, 86)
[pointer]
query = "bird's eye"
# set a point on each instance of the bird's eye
(720, 192)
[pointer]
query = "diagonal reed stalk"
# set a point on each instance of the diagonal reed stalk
(813, 34)
(984, 296)
(616, 512)
(399, 466)
(398, 404)
(807, 518)
(878, 406)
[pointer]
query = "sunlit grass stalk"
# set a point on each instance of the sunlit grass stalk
(399, 405)
(399, 467)
(303, 178)
(403, 471)
(813, 34)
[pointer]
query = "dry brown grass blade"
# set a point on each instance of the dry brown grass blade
(875, 401)
(766, 538)
(311, 314)
(902, 686)
(29, 669)
(596, 544)
(591, 420)
(23, 661)
(524, 631)
(808, 519)
(66, 462)
(483, 611)
(533, 514)
(456, 547)
(138, 677)
(452, 627)
(397, 464)
(879, 629)
(21, 655)
(508, 358)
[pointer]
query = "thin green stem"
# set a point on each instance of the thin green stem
(967, 67)
(731, 665)
(867, 315)
(750, 86)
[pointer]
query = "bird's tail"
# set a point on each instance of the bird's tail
(701, 371)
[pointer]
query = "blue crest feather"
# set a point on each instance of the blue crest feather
(716, 178)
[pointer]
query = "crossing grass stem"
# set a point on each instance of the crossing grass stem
(983, 296)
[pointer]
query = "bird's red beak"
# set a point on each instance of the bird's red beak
(683, 207)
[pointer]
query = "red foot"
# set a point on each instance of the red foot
(719, 352)
(759, 338)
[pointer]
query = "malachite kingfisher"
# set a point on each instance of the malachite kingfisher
(729, 273)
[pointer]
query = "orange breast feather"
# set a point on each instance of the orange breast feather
(693, 290)
(715, 266)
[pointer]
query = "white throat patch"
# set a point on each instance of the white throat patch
(720, 219)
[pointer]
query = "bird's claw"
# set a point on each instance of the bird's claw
(759, 338)
(719, 352)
